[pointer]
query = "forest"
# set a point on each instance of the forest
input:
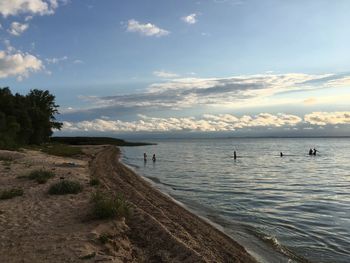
(27, 119)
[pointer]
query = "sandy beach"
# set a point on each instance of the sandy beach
(38, 227)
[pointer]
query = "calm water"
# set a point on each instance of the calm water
(297, 206)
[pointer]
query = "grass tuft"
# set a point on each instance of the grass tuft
(40, 176)
(11, 193)
(106, 206)
(89, 256)
(65, 187)
(94, 181)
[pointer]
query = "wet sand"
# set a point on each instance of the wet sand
(37, 227)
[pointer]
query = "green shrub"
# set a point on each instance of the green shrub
(41, 176)
(62, 150)
(94, 181)
(65, 187)
(11, 193)
(106, 206)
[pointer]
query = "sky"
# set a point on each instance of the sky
(181, 67)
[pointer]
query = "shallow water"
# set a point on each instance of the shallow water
(299, 205)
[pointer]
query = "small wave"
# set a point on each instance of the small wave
(154, 179)
(158, 181)
(273, 241)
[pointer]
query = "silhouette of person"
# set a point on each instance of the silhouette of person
(234, 155)
(310, 152)
(145, 157)
(314, 152)
(154, 158)
(281, 154)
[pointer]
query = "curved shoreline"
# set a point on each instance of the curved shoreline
(263, 252)
(161, 229)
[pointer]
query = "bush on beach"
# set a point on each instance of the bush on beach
(11, 193)
(110, 206)
(41, 176)
(65, 187)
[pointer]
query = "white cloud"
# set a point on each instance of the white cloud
(328, 118)
(78, 61)
(17, 28)
(146, 29)
(34, 7)
(18, 64)
(190, 19)
(223, 122)
(165, 74)
(56, 60)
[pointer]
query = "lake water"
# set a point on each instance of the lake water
(294, 208)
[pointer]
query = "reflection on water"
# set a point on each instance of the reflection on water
(297, 202)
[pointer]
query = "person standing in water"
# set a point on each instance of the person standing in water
(234, 155)
(154, 158)
(281, 154)
(310, 152)
(144, 157)
(315, 151)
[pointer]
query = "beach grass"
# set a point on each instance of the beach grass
(41, 176)
(65, 187)
(62, 150)
(96, 141)
(110, 206)
(94, 181)
(11, 193)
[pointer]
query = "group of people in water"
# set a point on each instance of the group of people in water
(311, 152)
(145, 157)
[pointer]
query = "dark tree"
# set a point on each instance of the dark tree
(27, 119)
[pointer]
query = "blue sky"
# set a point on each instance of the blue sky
(173, 66)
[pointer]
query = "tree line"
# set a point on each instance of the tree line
(27, 119)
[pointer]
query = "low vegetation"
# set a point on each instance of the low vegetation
(104, 238)
(26, 119)
(11, 193)
(61, 150)
(94, 181)
(95, 141)
(41, 176)
(89, 256)
(110, 206)
(65, 187)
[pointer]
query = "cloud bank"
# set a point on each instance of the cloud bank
(328, 118)
(209, 123)
(181, 93)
